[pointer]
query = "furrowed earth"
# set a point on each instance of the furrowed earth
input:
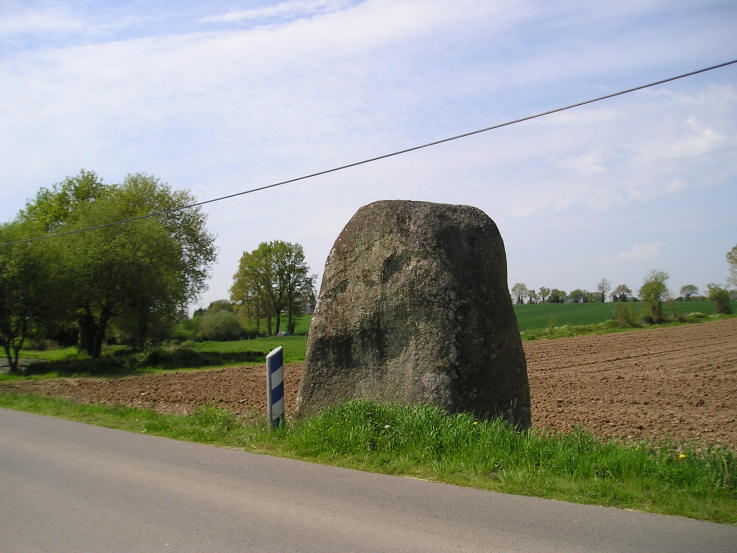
(677, 382)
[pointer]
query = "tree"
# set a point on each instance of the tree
(253, 284)
(604, 286)
(720, 297)
(271, 280)
(688, 290)
(732, 260)
(557, 296)
(544, 293)
(653, 292)
(220, 305)
(29, 290)
(519, 291)
(622, 293)
(134, 274)
(532, 296)
(295, 282)
(578, 296)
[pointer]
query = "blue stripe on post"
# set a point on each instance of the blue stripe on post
(277, 392)
(275, 387)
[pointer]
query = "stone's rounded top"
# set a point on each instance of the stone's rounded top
(463, 214)
(415, 225)
(414, 204)
(414, 308)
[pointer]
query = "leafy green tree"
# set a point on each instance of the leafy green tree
(519, 292)
(622, 293)
(254, 283)
(578, 296)
(136, 274)
(720, 297)
(271, 280)
(54, 207)
(688, 290)
(532, 296)
(604, 286)
(30, 292)
(557, 296)
(544, 293)
(220, 305)
(294, 280)
(653, 292)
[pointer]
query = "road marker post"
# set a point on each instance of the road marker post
(275, 387)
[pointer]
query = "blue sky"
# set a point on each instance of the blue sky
(218, 97)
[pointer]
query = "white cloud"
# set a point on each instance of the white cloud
(585, 164)
(289, 10)
(330, 82)
(637, 254)
(36, 22)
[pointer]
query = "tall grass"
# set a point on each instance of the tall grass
(426, 442)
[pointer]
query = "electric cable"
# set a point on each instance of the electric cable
(376, 158)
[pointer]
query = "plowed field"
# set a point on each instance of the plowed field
(678, 382)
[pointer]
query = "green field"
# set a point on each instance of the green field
(294, 346)
(544, 315)
(548, 320)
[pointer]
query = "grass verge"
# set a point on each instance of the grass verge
(427, 443)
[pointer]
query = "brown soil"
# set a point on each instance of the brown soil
(678, 382)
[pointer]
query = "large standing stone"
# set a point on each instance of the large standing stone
(414, 308)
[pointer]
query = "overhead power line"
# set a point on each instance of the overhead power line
(376, 158)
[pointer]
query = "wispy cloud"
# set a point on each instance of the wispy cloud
(326, 82)
(292, 9)
(636, 254)
(36, 22)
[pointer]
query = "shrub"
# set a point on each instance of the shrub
(128, 362)
(625, 315)
(653, 293)
(720, 297)
(220, 326)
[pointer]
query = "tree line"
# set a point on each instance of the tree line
(520, 292)
(134, 280)
(137, 278)
(653, 292)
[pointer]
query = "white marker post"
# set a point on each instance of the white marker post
(275, 387)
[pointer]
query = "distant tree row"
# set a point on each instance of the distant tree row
(136, 278)
(520, 293)
(653, 292)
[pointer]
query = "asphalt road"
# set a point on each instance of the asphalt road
(69, 487)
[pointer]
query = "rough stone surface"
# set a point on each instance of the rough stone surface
(414, 308)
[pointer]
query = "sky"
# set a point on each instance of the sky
(219, 97)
